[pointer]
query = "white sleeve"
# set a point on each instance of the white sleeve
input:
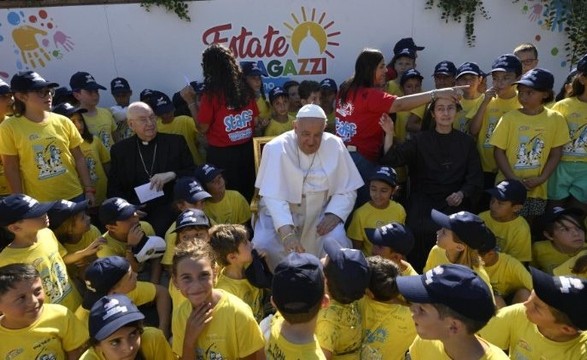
(279, 212)
(341, 205)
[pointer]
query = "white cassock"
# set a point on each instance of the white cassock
(299, 189)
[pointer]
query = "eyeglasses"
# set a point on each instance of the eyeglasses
(528, 61)
(144, 120)
(43, 93)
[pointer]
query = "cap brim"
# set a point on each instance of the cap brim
(116, 324)
(442, 73)
(384, 179)
(127, 212)
(544, 286)
(496, 193)
(93, 86)
(467, 72)
(419, 48)
(190, 224)
(501, 70)
(202, 195)
(370, 233)
(530, 84)
(120, 91)
(440, 218)
(38, 210)
(45, 84)
(413, 289)
(5, 90)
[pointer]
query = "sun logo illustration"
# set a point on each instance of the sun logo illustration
(310, 37)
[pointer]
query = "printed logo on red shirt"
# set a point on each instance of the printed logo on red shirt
(234, 123)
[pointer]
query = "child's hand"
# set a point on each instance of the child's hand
(188, 94)
(490, 94)
(199, 317)
(387, 124)
(531, 183)
(91, 199)
(94, 247)
(135, 235)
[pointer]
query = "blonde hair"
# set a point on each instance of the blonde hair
(469, 256)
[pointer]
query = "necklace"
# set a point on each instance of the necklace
(149, 173)
(309, 168)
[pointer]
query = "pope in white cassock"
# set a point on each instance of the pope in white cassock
(307, 182)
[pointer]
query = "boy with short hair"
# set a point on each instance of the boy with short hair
(339, 326)
(297, 294)
(328, 92)
(381, 209)
(121, 92)
(232, 249)
(444, 74)
(394, 242)
(280, 121)
(29, 328)
(551, 324)
(388, 329)
(309, 91)
(99, 120)
(503, 219)
(449, 304)
(528, 55)
(114, 275)
(470, 74)
(35, 244)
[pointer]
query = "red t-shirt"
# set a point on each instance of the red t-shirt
(228, 127)
(357, 120)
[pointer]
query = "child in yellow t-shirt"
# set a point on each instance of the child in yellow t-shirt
(226, 326)
(551, 324)
(388, 329)
(121, 92)
(565, 238)
(297, 294)
(575, 266)
(99, 120)
(232, 249)
(450, 304)
(253, 78)
(225, 206)
(380, 210)
(328, 92)
(503, 219)
(26, 320)
(403, 59)
(117, 332)
(470, 74)
(394, 242)
(95, 153)
(281, 121)
(339, 326)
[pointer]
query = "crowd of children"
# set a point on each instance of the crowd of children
(502, 270)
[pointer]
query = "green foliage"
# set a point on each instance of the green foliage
(179, 7)
(571, 15)
(459, 11)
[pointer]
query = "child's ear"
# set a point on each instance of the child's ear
(547, 235)
(460, 247)
(569, 330)
(13, 228)
(517, 208)
(232, 257)
(110, 227)
(325, 301)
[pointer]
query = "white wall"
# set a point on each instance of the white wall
(157, 50)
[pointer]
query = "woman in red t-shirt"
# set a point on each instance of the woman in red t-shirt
(227, 115)
(362, 102)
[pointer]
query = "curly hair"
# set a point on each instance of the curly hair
(192, 250)
(224, 77)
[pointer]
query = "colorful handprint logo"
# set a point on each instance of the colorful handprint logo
(36, 39)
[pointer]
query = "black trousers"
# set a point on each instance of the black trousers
(238, 164)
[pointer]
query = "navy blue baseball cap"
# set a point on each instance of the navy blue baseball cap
(470, 228)
(115, 209)
(350, 270)
(198, 87)
(190, 190)
(29, 80)
(298, 283)
(277, 92)
(406, 43)
(394, 235)
(82, 80)
(66, 109)
(191, 217)
(328, 84)
(386, 174)
(410, 74)
(63, 210)
(145, 95)
(564, 293)
(110, 313)
(160, 103)
(251, 68)
(582, 64)
(119, 85)
(509, 190)
(4, 88)
(207, 173)
(554, 214)
(455, 286)
(537, 79)
(101, 276)
(469, 68)
(507, 63)
(445, 67)
(17, 207)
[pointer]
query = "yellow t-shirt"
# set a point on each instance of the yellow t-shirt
(409, 270)
(177, 299)
(388, 330)
(102, 125)
(47, 168)
(513, 237)
(170, 245)
(232, 209)
(113, 247)
(527, 140)
(546, 257)
(495, 110)
(565, 268)
(186, 127)
(278, 347)
(55, 332)
(419, 111)
(508, 275)
(231, 334)
(96, 156)
(4, 188)
(470, 107)
(277, 128)
(575, 113)
(339, 329)
(392, 87)
(264, 108)
(87, 238)
(511, 329)
(243, 289)
(154, 346)
(46, 256)
(434, 349)
(368, 216)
